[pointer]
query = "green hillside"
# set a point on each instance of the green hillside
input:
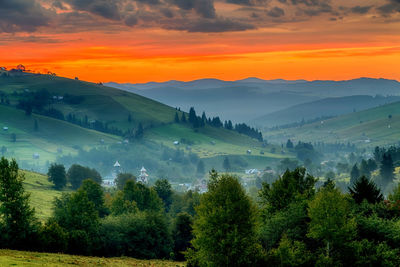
(368, 128)
(37, 140)
(42, 193)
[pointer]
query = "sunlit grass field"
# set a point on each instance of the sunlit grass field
(22, 258)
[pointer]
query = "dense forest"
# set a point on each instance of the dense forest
(293, 221)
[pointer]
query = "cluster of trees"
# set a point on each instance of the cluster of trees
(242, 128)
(292, 223)
(75, 176)
(136, 221)
(198, 122)
(94, 124)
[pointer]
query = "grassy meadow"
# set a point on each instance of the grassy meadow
(22, 258)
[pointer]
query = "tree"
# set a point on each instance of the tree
(226, 164)
(57, 175)
(129, 117)
(144, 197)
(77, 173)
(290, 186)
(95, 194)
(330, 219)
(387, 169)
(354, 174)
(164, 191)
(183, 118)
(122, 178)
(225, 228)
(176, 119)
(363, 188)
(289, 144)
(139, 131)
(17, 217)
(182, 234)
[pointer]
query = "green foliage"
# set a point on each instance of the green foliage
(77, 173)
(290, 186)
(95, 194)
(225, 228)
(140, 235)
(331, 219)
(164, 191)
(145, 198)
(57, 175)
(364, 189)
(354, 174)
(122, 178)
(76, 212)
(53, 237)
(387, 169)
(226, 164)
(290, 253)
(181, 234)
(18, 223)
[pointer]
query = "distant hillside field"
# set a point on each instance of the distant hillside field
(249, 99)
(95, 125)
(327, 107)
(368, 128)
(23, 258)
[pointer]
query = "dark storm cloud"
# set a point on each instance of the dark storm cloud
(108, 9)
(393, 6)
(276, 12)
(218, 25)
(361, 9)
(22, 15)
(204, 8)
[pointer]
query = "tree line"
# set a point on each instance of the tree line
(201, 121)
(290, 223)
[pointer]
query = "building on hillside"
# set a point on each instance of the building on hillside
(110, 179)
(143, 177)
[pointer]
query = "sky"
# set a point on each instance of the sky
(158, 40)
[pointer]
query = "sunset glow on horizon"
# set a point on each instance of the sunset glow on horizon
(231, 40)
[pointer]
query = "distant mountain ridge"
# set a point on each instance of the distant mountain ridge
(252, 98)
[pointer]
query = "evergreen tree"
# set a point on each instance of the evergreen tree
(17, 217)
(387, 169)
(176, 119)
(354, 174)
(289, 144)
(164, 191)
(226, 164)
(182, 234)
(183, 118)
(57, 175)
(363, 188)
(225, 228)
(139, 131)
(192, 116)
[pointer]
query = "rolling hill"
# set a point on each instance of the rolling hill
(95, 125)
(368, 128)
(327, 107)
(249, 99)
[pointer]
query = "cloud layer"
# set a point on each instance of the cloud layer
(181, 15)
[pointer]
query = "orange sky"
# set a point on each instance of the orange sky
(361, 45)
